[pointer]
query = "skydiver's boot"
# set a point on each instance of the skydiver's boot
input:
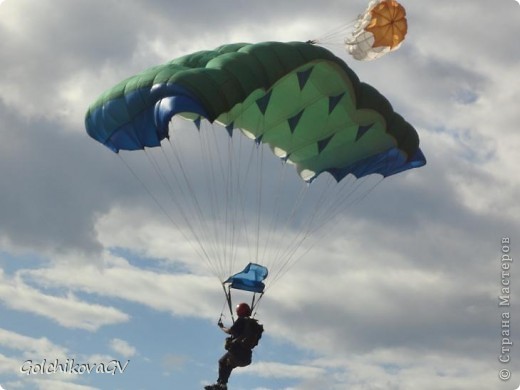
(216, 386)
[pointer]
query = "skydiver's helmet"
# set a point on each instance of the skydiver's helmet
(243, 310)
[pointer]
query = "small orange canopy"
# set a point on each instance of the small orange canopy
(388, 24)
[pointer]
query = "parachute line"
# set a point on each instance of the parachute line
(335, 35)
(199, 249)
(284, 164)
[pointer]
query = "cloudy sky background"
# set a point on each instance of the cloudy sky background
(401, 294)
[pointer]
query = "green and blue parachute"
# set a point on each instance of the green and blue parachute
(299, 99)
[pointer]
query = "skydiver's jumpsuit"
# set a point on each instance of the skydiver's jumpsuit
(237, 355)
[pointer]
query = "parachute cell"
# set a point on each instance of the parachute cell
(378, 31)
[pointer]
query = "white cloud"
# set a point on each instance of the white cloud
(52, 384)
(9, 365)
(122, 347)
(180, 294)
(68, 311)
(404, 369)
(282, 370)
(25, 352)
(172, 362)
(30, 346)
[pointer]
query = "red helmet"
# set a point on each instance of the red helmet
(243, 310)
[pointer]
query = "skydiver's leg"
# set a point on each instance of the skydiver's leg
(226, 364)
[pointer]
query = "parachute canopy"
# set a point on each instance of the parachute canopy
(298, 98)
(379, 30)
(250, 279)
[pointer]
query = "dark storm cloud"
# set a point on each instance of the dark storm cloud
(53, 187)
(56, 179)
(50, 42)
(56, 42)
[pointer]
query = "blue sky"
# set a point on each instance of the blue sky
(400, 292)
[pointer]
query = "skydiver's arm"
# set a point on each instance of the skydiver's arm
(224, 329)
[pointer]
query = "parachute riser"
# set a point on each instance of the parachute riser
(255, 302)
(229, 301)
(227, 293)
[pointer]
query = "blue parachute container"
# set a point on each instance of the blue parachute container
(250, 279)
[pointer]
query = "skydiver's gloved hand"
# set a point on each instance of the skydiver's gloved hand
(219, 323)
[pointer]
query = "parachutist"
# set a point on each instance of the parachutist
(245, 334)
